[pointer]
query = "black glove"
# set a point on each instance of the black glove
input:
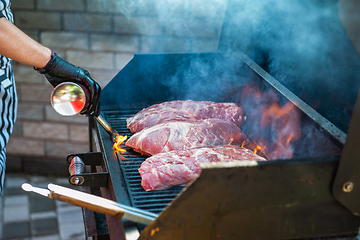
(57, 70)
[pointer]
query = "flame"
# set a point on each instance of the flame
(153, 231)
(285, 122)
(119, 140)
(271, 122)
(258, 148)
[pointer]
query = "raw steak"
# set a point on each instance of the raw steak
(183, 135)
(183, 111)
(165, 170)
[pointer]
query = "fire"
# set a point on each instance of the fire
(271, 122)
(258, 148)
(153, 231)
(285, 123)
(119, 140)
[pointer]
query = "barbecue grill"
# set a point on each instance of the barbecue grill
(311, 195)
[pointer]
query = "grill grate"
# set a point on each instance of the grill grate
(129, 162)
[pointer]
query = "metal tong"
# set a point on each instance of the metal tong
(93, 202)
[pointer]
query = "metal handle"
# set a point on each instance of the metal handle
(102, 121)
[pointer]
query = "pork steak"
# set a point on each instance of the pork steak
(183, 111)
(178, 167)
(184, 135)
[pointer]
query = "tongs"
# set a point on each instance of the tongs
(93, 202)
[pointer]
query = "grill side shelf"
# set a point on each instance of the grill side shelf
(130, 162)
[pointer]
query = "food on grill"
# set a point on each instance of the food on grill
(184, 135)
(165, 170)
(183, 111)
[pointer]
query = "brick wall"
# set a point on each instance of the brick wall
(100, 36)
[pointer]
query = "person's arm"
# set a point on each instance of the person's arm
(18, 46)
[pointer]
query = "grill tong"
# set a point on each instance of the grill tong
(93, 202)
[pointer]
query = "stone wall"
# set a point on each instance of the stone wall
(100, 36)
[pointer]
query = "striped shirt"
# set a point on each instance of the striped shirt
(8, 98)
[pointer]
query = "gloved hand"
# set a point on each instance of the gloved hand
(57, 71)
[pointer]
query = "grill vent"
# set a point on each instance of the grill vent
(129, 162)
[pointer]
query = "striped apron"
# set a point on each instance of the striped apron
(8, 97)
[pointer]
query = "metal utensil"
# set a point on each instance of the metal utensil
(92, 202)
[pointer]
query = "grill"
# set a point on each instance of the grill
(304, 185)
(130, 162)
(309, 196)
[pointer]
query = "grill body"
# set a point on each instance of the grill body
(298, 186)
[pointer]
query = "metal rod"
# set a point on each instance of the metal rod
(102, 121)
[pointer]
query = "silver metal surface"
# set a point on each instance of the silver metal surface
(76, 167)
(102, 205)
(29, 188)
(348, 187)
(93, 202)
(132, 233)
(69, 99)
(103, 123)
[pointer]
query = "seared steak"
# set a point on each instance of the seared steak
(183, 111)
(165, 170)
(184, 135)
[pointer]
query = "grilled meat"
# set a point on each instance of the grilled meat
(183, 111)
(184, 135)
(165, 170)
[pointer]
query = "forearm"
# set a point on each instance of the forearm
(16, 45)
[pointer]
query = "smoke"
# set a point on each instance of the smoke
(303, 45)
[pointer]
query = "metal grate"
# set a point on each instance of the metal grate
(154, 201)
